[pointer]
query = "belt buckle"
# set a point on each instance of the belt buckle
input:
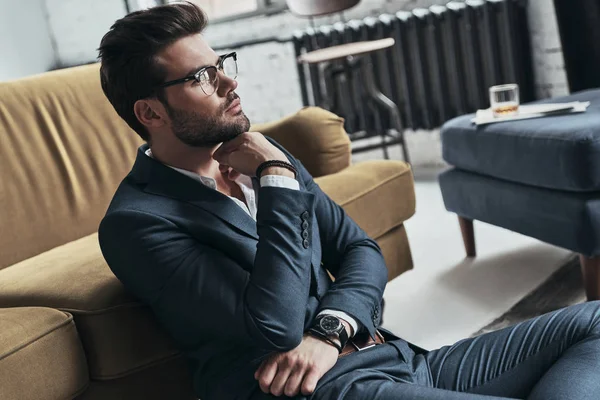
(362, 348)
(367, 347)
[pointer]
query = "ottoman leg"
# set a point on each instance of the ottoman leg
(590, 269)
(468, 235)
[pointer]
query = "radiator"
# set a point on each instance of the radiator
(443, 62)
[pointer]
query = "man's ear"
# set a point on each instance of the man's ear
(150, 112)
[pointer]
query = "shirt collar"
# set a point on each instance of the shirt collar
(205, 180)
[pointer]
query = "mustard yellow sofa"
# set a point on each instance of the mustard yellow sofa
(68, 328)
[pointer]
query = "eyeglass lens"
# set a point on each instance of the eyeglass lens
(209, 78)
(230, 68)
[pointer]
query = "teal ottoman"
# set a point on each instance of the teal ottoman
(539, 177)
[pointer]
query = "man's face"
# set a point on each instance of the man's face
(198, 119)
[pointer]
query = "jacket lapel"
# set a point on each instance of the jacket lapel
(164, 181)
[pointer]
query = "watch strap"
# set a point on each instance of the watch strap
(343, 335)
(324, 337)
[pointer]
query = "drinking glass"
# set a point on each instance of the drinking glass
(504, 100)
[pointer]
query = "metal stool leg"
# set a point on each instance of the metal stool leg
(326, 93)
(388, 104)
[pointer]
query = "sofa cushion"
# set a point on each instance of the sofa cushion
(378, 195)
(314, 136)
(40, 355)
(119, 334)
(557, 152)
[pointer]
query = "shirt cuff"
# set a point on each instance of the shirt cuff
(279, 181)
(342, 315)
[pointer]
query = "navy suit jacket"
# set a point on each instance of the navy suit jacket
(230, 290)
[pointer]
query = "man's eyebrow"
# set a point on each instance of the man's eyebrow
(194, 70)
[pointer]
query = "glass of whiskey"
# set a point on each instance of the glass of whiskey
(504, 100)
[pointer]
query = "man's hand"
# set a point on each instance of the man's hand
(246, 152)
(297, 370)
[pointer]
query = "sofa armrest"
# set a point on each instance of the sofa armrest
(314, 136)
(378, 195)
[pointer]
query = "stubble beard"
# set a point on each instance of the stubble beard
(198, 130)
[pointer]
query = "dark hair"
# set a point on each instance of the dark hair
(129, 71)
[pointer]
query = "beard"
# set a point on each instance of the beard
(199, 130)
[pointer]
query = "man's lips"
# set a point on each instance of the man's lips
(233, 104)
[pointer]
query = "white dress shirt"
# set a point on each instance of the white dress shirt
(251, 196)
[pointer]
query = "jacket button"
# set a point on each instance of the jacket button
(305, 243)
(304, 234)
(304, 215)
(305, 225)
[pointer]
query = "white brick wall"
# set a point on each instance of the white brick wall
(548, 62)
(268, 85)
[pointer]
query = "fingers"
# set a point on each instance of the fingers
(229, 172)
(221, 156)
(292, 386)
(287, 376)
(266, 375)
(224, 168)
(233, 174)
(281, 378)
(229, 146)
(260, 369)
(280, 375)
(310, 381)
(223, 152)
(297, 371)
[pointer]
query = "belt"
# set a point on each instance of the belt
(361, 342)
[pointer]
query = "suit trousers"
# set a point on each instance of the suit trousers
(554, 356)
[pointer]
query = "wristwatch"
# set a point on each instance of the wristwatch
(330, 328)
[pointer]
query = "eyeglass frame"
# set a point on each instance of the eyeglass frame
(218, 67)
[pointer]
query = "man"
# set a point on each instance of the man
(227, 237)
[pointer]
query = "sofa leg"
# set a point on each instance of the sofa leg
(590, 269)
(468, 235)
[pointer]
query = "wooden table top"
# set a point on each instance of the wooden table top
(345, 50)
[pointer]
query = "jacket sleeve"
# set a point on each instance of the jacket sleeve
(354, 259)
(196, 290)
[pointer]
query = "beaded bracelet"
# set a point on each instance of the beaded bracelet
(275, 163)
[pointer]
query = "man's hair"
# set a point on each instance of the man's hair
(129, 70)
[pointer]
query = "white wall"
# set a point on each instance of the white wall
(25, 44)
(78, 27)
(548, 61)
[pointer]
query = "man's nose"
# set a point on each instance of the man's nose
(226, 84)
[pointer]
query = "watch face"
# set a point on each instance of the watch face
(330, 323)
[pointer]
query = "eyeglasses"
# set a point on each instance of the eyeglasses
(208, 77)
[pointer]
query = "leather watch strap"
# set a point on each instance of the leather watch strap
(320, 335)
